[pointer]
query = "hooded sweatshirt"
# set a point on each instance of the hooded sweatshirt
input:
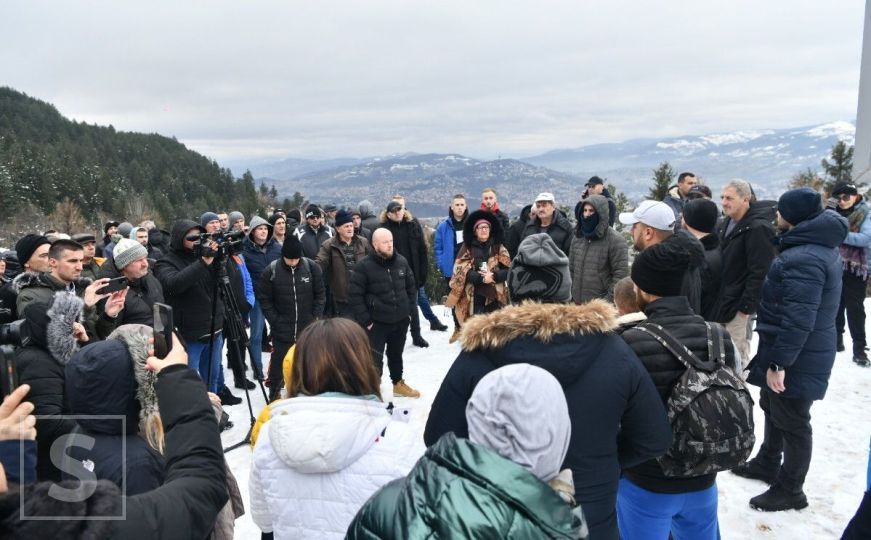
(320, 458)
(257, 257)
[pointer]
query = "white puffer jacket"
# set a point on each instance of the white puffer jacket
(318, 459)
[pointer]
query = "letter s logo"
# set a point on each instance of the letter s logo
(60, 459)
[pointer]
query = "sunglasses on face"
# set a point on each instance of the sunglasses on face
(845, 198)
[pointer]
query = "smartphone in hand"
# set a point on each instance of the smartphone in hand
(162, 330)
(114, 285)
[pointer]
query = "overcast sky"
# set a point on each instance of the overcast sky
(238, 80)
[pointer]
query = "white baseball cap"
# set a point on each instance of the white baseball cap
(545, 196)
(654, 214)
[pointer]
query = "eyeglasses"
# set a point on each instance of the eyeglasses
(479, 227)
(845, 197)
(400, 209)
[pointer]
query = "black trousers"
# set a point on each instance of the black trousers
(236, 361)
(853, 303)
(393, 337)
(276, 363)
(788, 434)
(342, 309)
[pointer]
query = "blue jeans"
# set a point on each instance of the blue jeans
(198, 360)
(423, 302)
(652, 516)
(256, 339)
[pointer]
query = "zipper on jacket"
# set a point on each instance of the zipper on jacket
(295, 302)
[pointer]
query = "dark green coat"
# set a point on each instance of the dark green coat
(461, 490)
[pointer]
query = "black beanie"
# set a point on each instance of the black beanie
(659, 270)
(25, 247)
(797, 205)
(291, 249)
(343, 217)
(701, 215)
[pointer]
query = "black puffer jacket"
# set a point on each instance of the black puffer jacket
(40, 363)
(311, 239)
(747, 254)
(677, 318)
(711, 274)
(409, 242)
(560, 230)
(188, 285)
(291, 298)
(382, 290)
(514, 232)
(140, 298)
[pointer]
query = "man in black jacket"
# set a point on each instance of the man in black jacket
(649, 503)
(699, 218)
(189, 279)
(313, 233)
(382, 297)
(747, 241)
(548, 219)
(490, 204)
(291, 294)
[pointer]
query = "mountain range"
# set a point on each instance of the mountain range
(767, 158)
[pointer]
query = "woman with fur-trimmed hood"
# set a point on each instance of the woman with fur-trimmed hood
(50, 336)
(481, 268)
(617, 417)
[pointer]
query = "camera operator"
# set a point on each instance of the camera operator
(189, 278)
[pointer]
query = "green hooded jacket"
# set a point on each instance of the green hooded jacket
(462, 490)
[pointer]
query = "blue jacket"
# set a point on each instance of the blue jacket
(863, 237)
(800, 297)
(446, 245)
(246, 281)
(258, 258)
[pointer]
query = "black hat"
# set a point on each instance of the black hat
(330, 207)
(84, 238)
(312, 211)
(701, 215)
(110, 224)
(393, 206)
(797, 205)
(294, 215)
(595, 181)
(25, 247)
(699, 191)
(343, 217)
(291, 249)
(844, 188)
(659, 269)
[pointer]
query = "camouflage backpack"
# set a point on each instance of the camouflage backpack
(710, 409)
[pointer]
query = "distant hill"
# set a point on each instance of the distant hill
(767, 158)
(45, 157)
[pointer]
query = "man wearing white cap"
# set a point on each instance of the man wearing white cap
(653, 223)
(551, 221)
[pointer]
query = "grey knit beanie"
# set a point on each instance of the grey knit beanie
(540, 271)
(128, 251)
(520, 412)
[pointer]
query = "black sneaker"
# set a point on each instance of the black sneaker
(258, 374)
(418, 341)
(244, 383)
(437, 325)
(840, 346)
(227, 398)
(752, 470)
(861, 359)
(777, 499)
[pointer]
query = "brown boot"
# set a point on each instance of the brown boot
(403, 390)
(455, 336)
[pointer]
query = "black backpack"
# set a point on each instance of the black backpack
(710, 409)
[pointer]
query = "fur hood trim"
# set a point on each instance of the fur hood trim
(540, 321)
(65, 310)
(382, 217)
(37, 279)
(136, 337)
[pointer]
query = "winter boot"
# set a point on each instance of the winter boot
(242, 383)
(403, 390)
(861, 358)
(437, 325)
(258, 373)
(755, 471)
(228, 398)
(840, 346)
(455, 336)
(418, 341)
(779, 498)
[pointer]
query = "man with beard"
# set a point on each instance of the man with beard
(131, 261)
(796, 326)
(337, 257)
(490, 204)
(677, 194)
(854, 253)
(313, 233)
(382, 297)
(90, 268)
(551, 221)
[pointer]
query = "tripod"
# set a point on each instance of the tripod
(234, 329)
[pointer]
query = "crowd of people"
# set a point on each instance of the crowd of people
(600, 388)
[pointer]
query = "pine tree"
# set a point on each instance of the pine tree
(663, 176)
(840, 168)
(807, 178)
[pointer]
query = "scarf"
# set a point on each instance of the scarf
(491, 210)
(855, 259)
(588, 225)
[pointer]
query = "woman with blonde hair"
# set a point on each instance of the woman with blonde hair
(332, 444)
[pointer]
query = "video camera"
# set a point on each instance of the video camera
(224, 243)
(10, 334)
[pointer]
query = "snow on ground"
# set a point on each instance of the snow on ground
(835, 484)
